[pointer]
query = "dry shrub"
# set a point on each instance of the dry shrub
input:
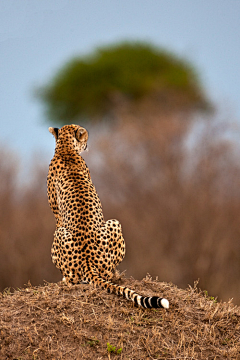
(26, 227)
(179, 209)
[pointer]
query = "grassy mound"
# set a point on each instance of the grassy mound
(81, 322)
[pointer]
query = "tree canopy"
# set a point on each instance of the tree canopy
(86, 87)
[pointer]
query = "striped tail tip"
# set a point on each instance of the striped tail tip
(152, 302)
(165, 303)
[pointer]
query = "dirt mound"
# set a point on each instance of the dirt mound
(81, 322)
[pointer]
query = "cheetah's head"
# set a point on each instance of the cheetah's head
(72, 137)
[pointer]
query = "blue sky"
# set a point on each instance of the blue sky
(38, 36)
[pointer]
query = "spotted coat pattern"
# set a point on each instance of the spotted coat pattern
(85, 247)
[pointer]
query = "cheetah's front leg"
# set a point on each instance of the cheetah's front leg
(62, 246)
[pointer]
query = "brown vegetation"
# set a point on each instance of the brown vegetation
(80, 322)
(179, 209)
(26, 226)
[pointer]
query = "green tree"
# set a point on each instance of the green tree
(93, 86)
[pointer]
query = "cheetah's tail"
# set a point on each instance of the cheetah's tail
(140, 300)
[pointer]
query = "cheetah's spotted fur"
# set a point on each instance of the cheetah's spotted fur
(85, 247)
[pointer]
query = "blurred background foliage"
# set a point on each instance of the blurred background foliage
(163, 165)
(88, 88)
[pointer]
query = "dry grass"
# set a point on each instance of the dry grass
(80, 322)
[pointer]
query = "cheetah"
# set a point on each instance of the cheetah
(86, 248)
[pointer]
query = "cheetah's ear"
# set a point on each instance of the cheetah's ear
(82, 134)
(54, 131)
